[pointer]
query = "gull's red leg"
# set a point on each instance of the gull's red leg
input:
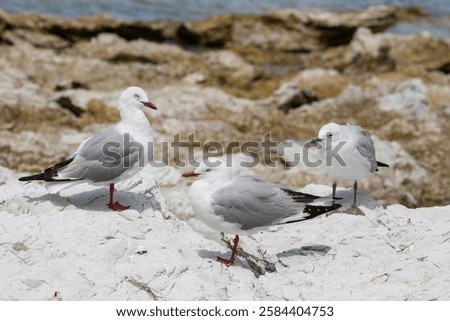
(230, 261)
(115, 206)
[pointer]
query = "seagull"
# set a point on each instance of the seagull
(244, 205)
(109, 156)
(355, 149)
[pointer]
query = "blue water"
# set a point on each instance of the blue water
(197, 9)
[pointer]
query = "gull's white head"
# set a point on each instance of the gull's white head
(212, 169)
(135, 97)
(330, 131)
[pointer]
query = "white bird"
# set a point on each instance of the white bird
(244, 205)
(355, 157)
(109, 156)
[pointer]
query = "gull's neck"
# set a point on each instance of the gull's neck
(202, 189)
(131, 115)
(216, 182)
(136, 123)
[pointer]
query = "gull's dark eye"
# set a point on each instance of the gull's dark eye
(329, 134)
(208, 170)
(136, 96)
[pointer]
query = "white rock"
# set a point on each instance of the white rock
(409, 96)
(74, 247)
(364, 42)
(232, 66)
(194, 78)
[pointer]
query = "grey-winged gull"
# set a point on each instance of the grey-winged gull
(109, 156)
(355, 149)
(243, 205)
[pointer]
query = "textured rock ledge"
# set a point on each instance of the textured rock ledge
(70, 247)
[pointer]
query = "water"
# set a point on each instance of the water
(197, 9)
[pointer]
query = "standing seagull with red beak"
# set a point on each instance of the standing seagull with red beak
(356, 151)
(110, 156)
(244, 205)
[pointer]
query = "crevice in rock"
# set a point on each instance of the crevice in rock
(66, 103)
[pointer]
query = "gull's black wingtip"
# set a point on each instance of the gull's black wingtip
(316, 210)
(300, 196)
(37, 177)
(380, 164)
(49, 174)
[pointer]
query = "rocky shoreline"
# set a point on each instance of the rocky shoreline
(235, 78)
(227, 78)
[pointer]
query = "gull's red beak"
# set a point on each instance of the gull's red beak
(190, 174)
(149, 105)
(313, 143)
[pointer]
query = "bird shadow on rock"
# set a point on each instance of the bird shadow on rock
(315, 249)
(97, 200)
(55, 199)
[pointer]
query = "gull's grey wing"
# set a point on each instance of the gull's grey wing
(104, 157)
(364, 145)
(251, 202)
